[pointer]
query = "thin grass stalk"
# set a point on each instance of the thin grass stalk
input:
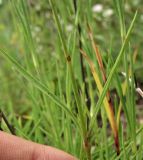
(120, 92)
(10, 127)
(35, 82)
(99, 103)
(21, 11)
(99, 59)
(83, 73)
(124, 88)
(130, 90)
(109, 111)
(83, 70)
(106, 86)
(133, 104)
(100, 62)
(75, 89)
(96, 51)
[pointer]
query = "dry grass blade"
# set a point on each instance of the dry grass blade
(109, 111)
(99, 59)
(98, 55)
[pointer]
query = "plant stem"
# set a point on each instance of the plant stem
(68, 60)
(83, 71)
(10, 127)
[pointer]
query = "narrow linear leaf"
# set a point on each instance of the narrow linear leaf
(106, 86)
(108, 109)
(124, 87)
(39, 85)
(68, 60)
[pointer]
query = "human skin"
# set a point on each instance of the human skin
(15, 148)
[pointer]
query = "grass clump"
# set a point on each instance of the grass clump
(73, 88)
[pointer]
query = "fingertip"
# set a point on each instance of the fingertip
(12, 148)
(50, 153)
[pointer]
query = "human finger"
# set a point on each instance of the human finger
(15, 148)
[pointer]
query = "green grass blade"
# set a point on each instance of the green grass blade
(39, 85)
(106, 86)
